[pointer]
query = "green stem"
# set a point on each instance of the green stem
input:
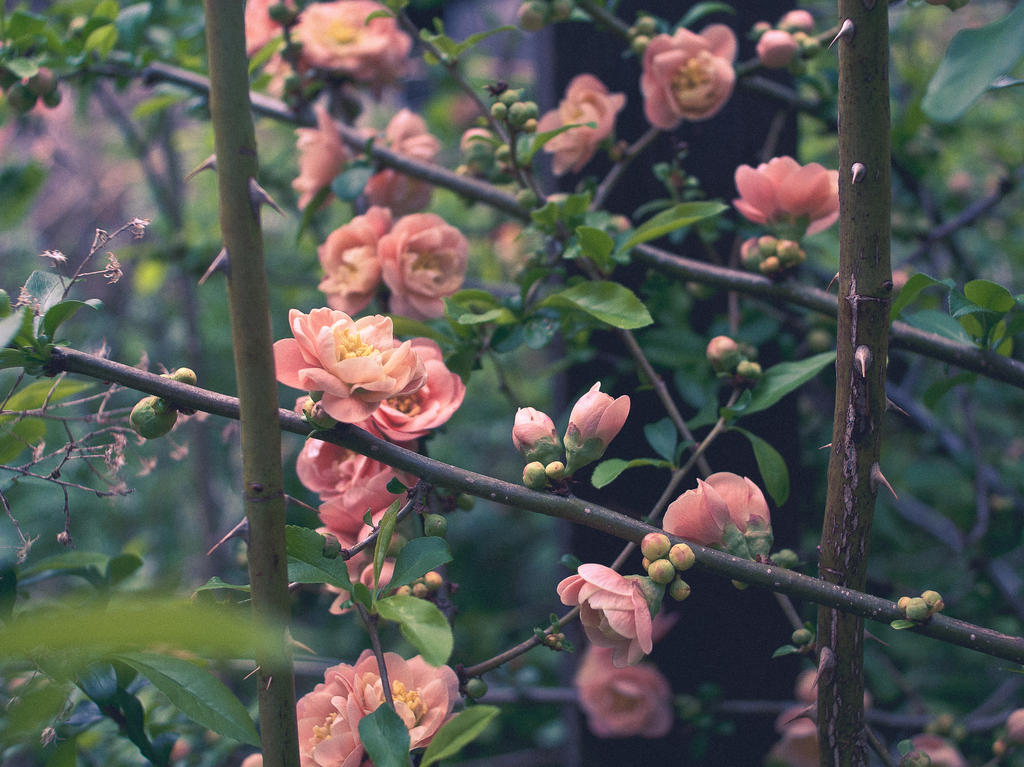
(248, 299)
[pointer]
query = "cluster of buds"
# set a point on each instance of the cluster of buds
(478, 146)
(663, 562)
(154, 417)
(23, 93)
(510, 108)
(920, 609)
(554, 640)
(537, 14)
(423, 586)
(729, 359)
(771, 256)
(788, 42)
(641, 32)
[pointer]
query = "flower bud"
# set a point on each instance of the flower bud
(786, 558)
(750, 254)
(776, 49)
(594, 421)
(901, 604)
(433, 580)
(639, 44)
(1015, 727)
(315, 415)
(510, 96)
(797, 19)
(555, 470)
(679, 589)
(562, 9)
(534, 476)
(645, 563)
(682, 557)
(184, 375)
(751, 371)
(420, 590)
(723, 353)
(655, 546)
(475, 688)
(435, 525)
(499, 111)
(42, 82)
(646, 25)
(534, 436)
(527, 198)
(519, 112)
(661, 571)
(767, 245)
(152, 417)
(917, 609)
(403, 591)
(801, 637)
(933, 599)
(770, 265)
(531, 17)
(465, 501)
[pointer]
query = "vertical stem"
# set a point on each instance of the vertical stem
(865, 284)
(235, 144)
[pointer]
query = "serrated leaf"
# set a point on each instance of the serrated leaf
(779, 380)
(989, 295)
(419, 556)
(383, 542)
(596, 244)
(306, 546)
(662, 436)
(385, 738)
(197, 693)
(771, 465)
(608, 302)
(676, 217)
(422, 624)
(458, 732)
(64, 311)
(913, 287)
(608, 470)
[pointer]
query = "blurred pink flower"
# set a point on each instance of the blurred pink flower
(586, 100)
(423, 259)
(621, 702)
(252, 760)
(357, 364)
(406, 134)
(260, 29)
(613, 610)
(797, 19)
(534, 435)
(336, 36)
(776, 49)
(350, 262)
(322, 156)
(699, 515)
(798, 746)
(782, 191)
(593, 423)
(939, 750)
(688, 76)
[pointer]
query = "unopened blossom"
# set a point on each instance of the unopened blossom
(349, 259)
(747, 507)
(613, 610)
(336, 36)
(357, 364)
(407, 135)
(797, 19)
(776, 48)
(423, 260)
(723, 510)
(410, 416)
(688, 76)
(623, 701)
(586, 100)
(329, 716)
(322, 156)
(360, 570)
(782, 191)
(939, 750)
(699, 515)
(534, 435)
(594, 421)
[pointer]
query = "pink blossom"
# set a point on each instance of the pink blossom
(406, 134)
(688, 76)
(423, 260)
(349, 259)
(613, 610)
(586, 100)
(329, 716)
(1015, 727)
(252, 760)
(746, 503)
(699, 515)
(260, 29)
(797, 19)
(939, 750)
(411, 416)
(593, 423)
(776, 49)
(622, 702)
(322, 156)
(534, 435)
(336, 36)
(782, 191)
(357, 364)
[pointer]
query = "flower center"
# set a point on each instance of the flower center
(431, 261)
(694, 74)
(405, 403)
(349, 343)
(410, 698)
(344, 33)
(322, 732)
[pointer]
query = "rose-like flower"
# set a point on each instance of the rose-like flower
(322, 156)
(594, 421)
(586, 100)
(337, 36)
(747, 506)
(534, 435)
(939, 750)
(688, 76)
(782, 191)
(776, 49)
(699, 515)
(622, 702)
(329, 716)
(406, 134)
(724, 510)
(411, 416)
(423, 260)
(613, 610)
(357, 364)
(350, 262)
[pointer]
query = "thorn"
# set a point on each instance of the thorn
(857, 171)
(240, 530)
(846, 30)
(269, 680)
(258, 196)
(296, 643)
(826, 664)
(890, 405)
(878, 478)
(210, 163)
(832, 282)
(220, 264)
(823, 447)
(251, 673)
(863, 358)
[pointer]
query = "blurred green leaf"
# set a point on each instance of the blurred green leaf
(19, 185)
(349, 184)
(458, 732)
(989, 295)
(383, 542)
(385, 738)
(422, 624)
(676, 217)
(786, 649)
(419, 556)
(939, 323)
(771, 465)
(101, 40)
(216, 583)
(596, 245)
(608, 302)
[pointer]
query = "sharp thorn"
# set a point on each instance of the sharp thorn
(826, 664)
(832, 282)
(846, 30)
(857, 172)
(220, 264)
(258, 196)
(878, 478)
(239, 530)
(251, 673)
(210, 163)
(890, 405)
(827, 445)
(863, 359)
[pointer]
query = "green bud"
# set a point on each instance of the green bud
(317, 416)
(751, 371)
(499, 111)
(465, 502)
(435, 525)
(332, 547)
(152, 417)
(433, 580)
(770, 265)
(534, 476)
(42, 82)
(767, 245)
(679, 589)
(532, 17)
(561, 9)
(655, 546)
(420, 590)
(530, 126)
(786, 558)
(555, 470)
(475, 688)
(802, 637)
(646, 25)
(661, 571)
(917, 609)
(510, 96)
(20, 98)
(502, 153)
(682, 557)
(182, 375)
(639, 44)
(902, 603)
(526, 198)
(933, 599)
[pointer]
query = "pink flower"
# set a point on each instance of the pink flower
(594, 421)
(776, 49)
(797, 19)
(746, 503)
(252, 760)
(411, 416)
(798, 746)
(782, 191)
(699, 515)
(336, 36)
(534, 435)
(423, 260)
(613, 610)
(688, 76)
(406, 134)
(357, 364)
(322, 156)
(586, 100)
(350, 262)
(1015, 727)
(621, 702)
(260, 29)
(329, 716)
(939, 750)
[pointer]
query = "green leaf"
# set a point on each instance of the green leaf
(197, 693)
(676, 217)
(18, 437)
(122, 566)
(914, 285)
(383, 542)
(349, 184)
(786, 649)
(19, 187)
(306, 546)
(45, 289)
(975, 59)
(608, 302)
(216, 583)
(771, 465)
(939, 323)
(58, 313)
(419, 556)
(902, 623)
(608, 470)
(8, 590)
(13, 324)
(989, 295)
(38, 393)
(662, 436)
(385, 738)
(422, 624)
(596, 244)
(457, 733)
(101, 40)
(779, 380)
(540, 139)
(68, 560)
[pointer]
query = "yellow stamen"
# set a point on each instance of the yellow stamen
(349, 343)
(345, 33)
(410, 698)
(695, 73)
(322, 732)
(405, 403)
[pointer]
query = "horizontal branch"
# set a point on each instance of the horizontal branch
(573, 510)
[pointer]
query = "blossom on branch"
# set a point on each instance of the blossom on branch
(406, 134)
(322, 156)
(423, 260)
(534, 436)
(349, 258)
(776, 48)
(586, 100)
(623, 701)
(784, 192)
(594, 421)
(726, 510)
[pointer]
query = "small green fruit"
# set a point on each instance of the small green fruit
(801, 637)
(917, 609)
(475, 688)
(435, 525)
(152, 417)
(185, 376)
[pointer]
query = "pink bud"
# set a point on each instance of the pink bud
(594, 421)
(776, 49)
(1015, 727)
(797, 19)
(699, 515)
(534, 436)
